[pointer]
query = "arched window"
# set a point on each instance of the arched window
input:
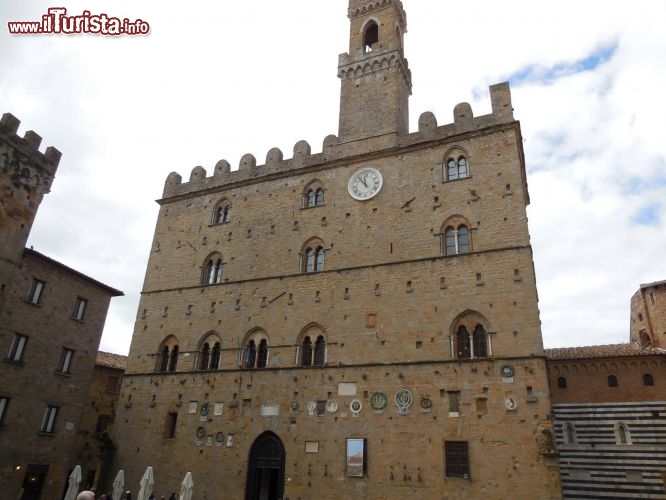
(457, 240)
(456, 168)
(163, 362)
(222, 212)
(479, 342)
(306, 352)
(313, 256)
(250, 354)
(309, 353)
(468, 346)
(167, 355)
(173, 359)
(209, 352)
(262, 356)
(612, 381)
(313, 195)
(371, 36)
(622, 434)
(456, 234)
(320, 351)
(569, 433)
(204, 358)
(463, 347)
(255, 353)
(212, 270)
(215, 356)
(648, 379)
(561, 383)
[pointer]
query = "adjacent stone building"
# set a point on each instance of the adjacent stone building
(51, 321)
(648, 315)
(356, 323)
(609, 406)
(95, 447)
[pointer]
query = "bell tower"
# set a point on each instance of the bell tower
(375, 79)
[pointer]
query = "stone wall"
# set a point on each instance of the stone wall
(35, 381)
(648, 315)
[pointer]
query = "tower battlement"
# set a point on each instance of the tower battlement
(28, 145)
(334, 149)
(364, 7)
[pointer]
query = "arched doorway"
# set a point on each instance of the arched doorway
(265, 473)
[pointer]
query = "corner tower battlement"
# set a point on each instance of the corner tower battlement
(335, 150)
(25, 150)
(26, 176)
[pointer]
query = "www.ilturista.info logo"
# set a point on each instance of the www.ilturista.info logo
(58, 22)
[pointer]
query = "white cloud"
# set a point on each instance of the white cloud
(215, 81)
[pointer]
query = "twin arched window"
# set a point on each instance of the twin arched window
(314, 197)
(313, 354)
(209, 358)
(313, 194)
(255, 350)
(212, 270)
(471, 346)
(256, 356)
(456, 240)
(457, 168)
(312, 256)
(311, 349)
(466, 345)
(167, 356)
(222, 212)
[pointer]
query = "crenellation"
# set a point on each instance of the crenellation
(9, 123)
(28, 144)
(197, 174)
(247, 162)
(365, 7)
(333, 149)
(222, 168)
(302, 151)
(274, 157)
(32, 139)
(500, 99)
(463, 114)
(427, 124)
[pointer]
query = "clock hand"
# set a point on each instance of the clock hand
(363, 181)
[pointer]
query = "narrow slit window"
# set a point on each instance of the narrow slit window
(80, 308)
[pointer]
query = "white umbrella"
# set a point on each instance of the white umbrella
(147, 483)
(186, 487)
(118, 485)
(74, 481)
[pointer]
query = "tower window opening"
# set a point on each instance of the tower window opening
(371, 37)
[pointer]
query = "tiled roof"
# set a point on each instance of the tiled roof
(603, 351)
(111, 360)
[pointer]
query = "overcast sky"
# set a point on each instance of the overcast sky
(216, 80)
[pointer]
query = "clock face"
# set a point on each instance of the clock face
(365, 184)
